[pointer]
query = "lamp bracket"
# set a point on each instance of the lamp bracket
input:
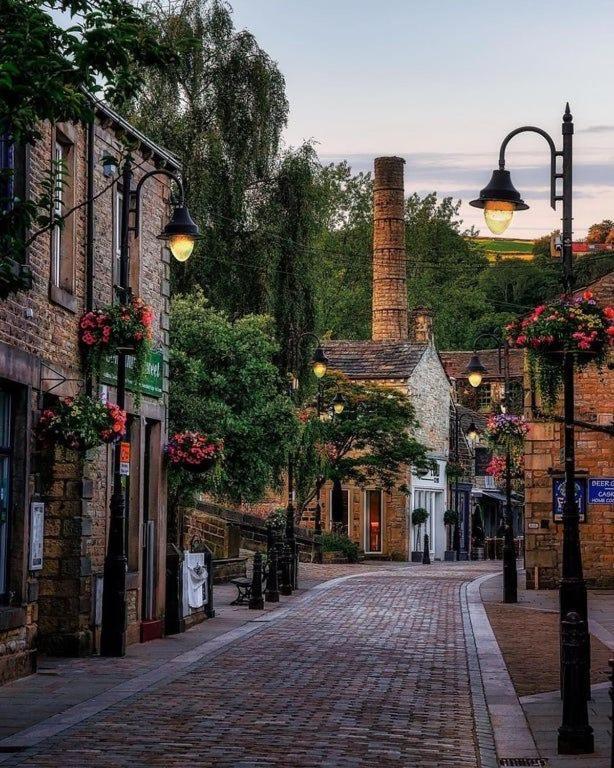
(554, 153)
(137, 193)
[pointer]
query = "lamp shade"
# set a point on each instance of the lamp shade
(319, 363)
(473, 433)
(181, 233)
(500, 190)
(475, 371)
(339, 403)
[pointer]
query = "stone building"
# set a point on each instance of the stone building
(54, 505)
(401, 354)
(594, 442)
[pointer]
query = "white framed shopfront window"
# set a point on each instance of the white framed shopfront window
(374, 521)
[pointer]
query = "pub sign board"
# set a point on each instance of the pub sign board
(558, 497)
(601, 490)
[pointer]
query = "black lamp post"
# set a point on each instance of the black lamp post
(319, 364)
(499, 200)
(473, 434)
(181, 233)
(475, 371)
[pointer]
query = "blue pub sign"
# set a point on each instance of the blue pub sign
(601, 490)
(558, 497)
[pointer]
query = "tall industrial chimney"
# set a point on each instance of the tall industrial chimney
(389, 265)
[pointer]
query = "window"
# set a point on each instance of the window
(63, 234)
(432, 501)
(373, 504)
(118, 202)
(484, 397)
(7, 177)
(6, 429)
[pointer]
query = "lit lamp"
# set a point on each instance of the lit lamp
(181, 233)
(473, 433)
(319, 363)
(499, 199)
(475, 371)
(339, 403)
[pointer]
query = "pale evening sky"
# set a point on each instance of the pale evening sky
(441, 82)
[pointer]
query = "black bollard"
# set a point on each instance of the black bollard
(426, 557)
(575, 733)
(272, 589)
(256, 602)
(612, 713)
(286, 585)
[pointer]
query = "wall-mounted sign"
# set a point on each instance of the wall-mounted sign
(601, 490)
(37, 530)
(558, 497)
(152, 380)
(124, 459)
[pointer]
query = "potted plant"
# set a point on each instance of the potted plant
(418, 517)
(450, 519)
(81, 423)
(578, 326)
(193, 451)
(114, 328)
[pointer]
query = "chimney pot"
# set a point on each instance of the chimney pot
(422, 325)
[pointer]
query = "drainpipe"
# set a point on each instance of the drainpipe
(89, 236)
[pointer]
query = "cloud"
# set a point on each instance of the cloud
(597, 129)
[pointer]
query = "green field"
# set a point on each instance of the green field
(500, 247)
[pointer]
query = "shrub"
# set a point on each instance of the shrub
(450, 517)
(419, 516)
(339, 542)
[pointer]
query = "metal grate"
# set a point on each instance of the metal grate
(523, 762)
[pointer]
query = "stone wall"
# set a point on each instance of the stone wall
(429, 391)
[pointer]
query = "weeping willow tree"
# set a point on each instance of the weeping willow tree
(221, 110)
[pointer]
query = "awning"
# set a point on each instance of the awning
(491, 493)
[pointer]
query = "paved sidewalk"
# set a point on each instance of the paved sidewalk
(368, 669)
(527, 634)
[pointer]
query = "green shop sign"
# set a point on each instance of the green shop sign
(152, 380)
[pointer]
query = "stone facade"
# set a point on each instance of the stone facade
(594, 403)
(55, 609)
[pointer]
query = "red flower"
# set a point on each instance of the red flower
(587, 295)
(88, 339)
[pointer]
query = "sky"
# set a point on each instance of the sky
(441, 82)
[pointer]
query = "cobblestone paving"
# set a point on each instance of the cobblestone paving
(371, 672)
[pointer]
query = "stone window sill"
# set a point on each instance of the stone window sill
(63, 298)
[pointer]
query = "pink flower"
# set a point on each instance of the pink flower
(88, 339)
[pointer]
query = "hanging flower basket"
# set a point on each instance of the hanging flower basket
(496, 467)
(81, 423)
(505, 430)
(455, 469)
(193, 451)
(114, 328)
(568, 325)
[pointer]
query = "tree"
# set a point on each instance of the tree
(370, 443)
(598, 233)
(224, 383)
(50, 72)
(221, 110)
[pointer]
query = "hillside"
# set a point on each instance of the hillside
(497, 248)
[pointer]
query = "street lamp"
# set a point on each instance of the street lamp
(473, 435)
(500, 197)
(181, 232)
(319, 361)
(475, 371)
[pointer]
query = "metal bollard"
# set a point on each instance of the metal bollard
(426, 556)
(612, 713)
(286, 585)
(272, 588)
(575, 733)
(256, 602)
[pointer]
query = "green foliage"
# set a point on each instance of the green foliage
(339, 542)
(450, 517)
(419, 516)
(370, 443)
(225, 384)
(277, 519)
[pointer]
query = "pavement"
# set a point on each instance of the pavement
(376, 664)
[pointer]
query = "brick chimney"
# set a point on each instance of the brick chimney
(389, 265)
(421, 325)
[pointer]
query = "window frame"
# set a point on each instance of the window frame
(369, 551)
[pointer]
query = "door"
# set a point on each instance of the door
(5, 488)
(149, 533)
(374, 521)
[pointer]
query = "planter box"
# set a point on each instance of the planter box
(449, 556)
(416, 556)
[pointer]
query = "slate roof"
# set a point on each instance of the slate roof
(456, 362)
(374, 359)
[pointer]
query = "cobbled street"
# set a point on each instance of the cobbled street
(369, 671)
